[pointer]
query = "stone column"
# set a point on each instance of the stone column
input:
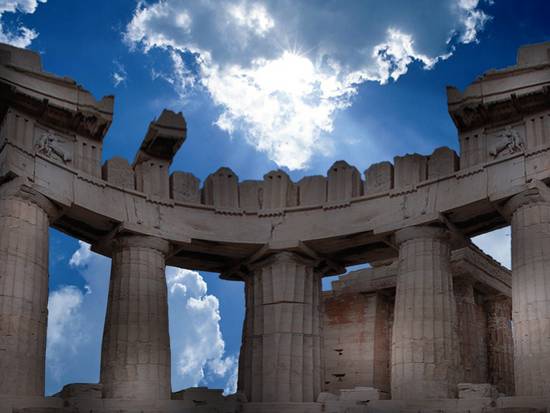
(530, 213)
(135, 358)
(472, 332)
(424, 344)
(281, 352)
(24, 251)
(500, 343)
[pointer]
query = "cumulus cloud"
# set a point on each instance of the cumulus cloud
(82, 256)
(65, 332)
(75, 322)
(20, 36)
(77, 316)
(281, 71)
(198, 348)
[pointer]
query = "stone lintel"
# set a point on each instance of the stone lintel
(489, 277)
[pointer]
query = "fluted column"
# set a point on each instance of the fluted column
(424, 344)
(24, 225)
(500, 343)
(530, 213)
(135, 359)
(281, 352)
(472, 329)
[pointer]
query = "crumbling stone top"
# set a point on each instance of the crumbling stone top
(164, 136)
(64, 104)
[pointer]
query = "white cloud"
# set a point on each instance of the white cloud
(119, 75)
(285, 104)
(393, 57)
(76, 327)
(65, 332)
(82, 256)
(198, 348)
(472, 19)
(75, 323)
(254, 17)
(497, 244)
(22, 36)
(281, 71)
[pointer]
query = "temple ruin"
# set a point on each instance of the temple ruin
(434, 324)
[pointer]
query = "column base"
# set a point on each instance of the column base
(232, 404)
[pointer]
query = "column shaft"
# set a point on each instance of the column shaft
(500, 346)
(472, 333)
(424, 343)
(135, 360)
(281, 352)
(23, 296)
(531, 298)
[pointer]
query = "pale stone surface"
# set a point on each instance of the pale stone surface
(221, 189)
(472, 332)
(442, 162)
(530, 293)
(350, 339)
(425, 353)
(410, 169)
(357, 340)
(281, 351)
(360, 394)
(326, 396)
(344, 182)
(119, 172)
(23, 293)
(476, 390)
(250, 193)
(152, 177)
(500, 347)
(185, 187)
(81, 391)
(200, 396)
(161, 142)
(135, 359)
(277, 191)
(313, 190)
(379, 177)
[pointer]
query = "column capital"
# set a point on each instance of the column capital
(499, 302)
(536, 193)
(19, 188)
(495, 298)
(141, 241)
(410, 233)
(283, 256)
(269, 254)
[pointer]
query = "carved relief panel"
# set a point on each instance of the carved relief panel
(506, 141)
(53, 145)
(487, 144)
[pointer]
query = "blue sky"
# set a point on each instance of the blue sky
(263, 85)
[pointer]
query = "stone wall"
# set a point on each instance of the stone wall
(359, 316)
